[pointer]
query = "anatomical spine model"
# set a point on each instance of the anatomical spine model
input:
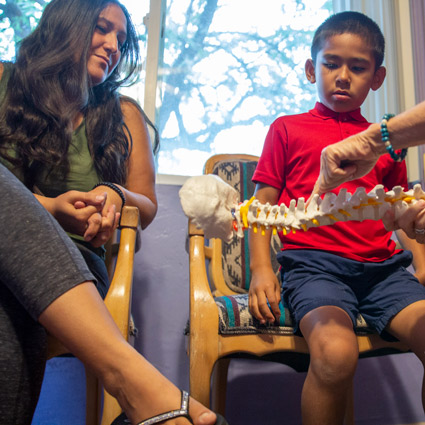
(329, 210)
(212, 205)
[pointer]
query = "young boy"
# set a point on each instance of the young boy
(332, 273)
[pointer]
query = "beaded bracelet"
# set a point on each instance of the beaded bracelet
(113, 187)
(386, 139)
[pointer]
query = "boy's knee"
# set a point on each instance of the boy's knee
(335, 363)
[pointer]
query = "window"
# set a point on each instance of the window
(229, 68)
(17, 19)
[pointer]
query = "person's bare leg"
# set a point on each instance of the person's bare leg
(409, 327)
(333, 350)
(80, 320)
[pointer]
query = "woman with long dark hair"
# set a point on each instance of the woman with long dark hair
(65, 131)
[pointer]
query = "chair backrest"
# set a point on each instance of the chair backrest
(237, 170)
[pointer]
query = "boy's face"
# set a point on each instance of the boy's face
(344, 72)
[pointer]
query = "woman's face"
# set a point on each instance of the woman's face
(108, 38)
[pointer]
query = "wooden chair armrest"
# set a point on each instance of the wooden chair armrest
(118, 299)
(122, 280)
(212, 253)
(193, 230)
(203, 309)
(199, 285)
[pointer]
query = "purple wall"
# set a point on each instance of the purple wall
(387, 389)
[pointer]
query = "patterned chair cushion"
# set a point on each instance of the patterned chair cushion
(235, 318)
(235, 254)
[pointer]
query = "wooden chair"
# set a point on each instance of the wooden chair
(118, 302)
(221, 327)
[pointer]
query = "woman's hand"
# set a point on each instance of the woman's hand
(347, 160)
(74, 219)
(412, 221)
(102, 224)
(101, 227)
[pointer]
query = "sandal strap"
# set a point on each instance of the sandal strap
(182, 412)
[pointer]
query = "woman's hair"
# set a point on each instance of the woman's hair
(49, 85)
(350, 23)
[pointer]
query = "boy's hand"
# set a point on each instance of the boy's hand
(264, 288)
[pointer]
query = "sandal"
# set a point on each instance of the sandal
(182, 412)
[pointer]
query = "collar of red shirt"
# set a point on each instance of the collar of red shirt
(322, 111)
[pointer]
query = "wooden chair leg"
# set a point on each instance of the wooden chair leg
(92, 398)
(219, 386)
(349, 410)
(200, 378)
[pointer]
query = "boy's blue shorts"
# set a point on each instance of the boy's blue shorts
(313, 278)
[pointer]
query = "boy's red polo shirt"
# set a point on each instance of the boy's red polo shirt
(290, 162)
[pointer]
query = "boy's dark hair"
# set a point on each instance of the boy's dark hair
(352, 23)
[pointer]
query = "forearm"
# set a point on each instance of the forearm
(259, 243)
(140, 186)
(259, 248)
(408, 128)
(46, 202)
(147, 206)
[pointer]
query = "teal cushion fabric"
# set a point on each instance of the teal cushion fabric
(235, 319)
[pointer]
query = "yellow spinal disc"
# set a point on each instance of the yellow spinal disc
(408, 199)
(244, 212)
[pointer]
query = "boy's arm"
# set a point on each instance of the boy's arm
(418, 251)
(264, 286)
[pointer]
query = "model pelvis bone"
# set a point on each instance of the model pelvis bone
(212, 205)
